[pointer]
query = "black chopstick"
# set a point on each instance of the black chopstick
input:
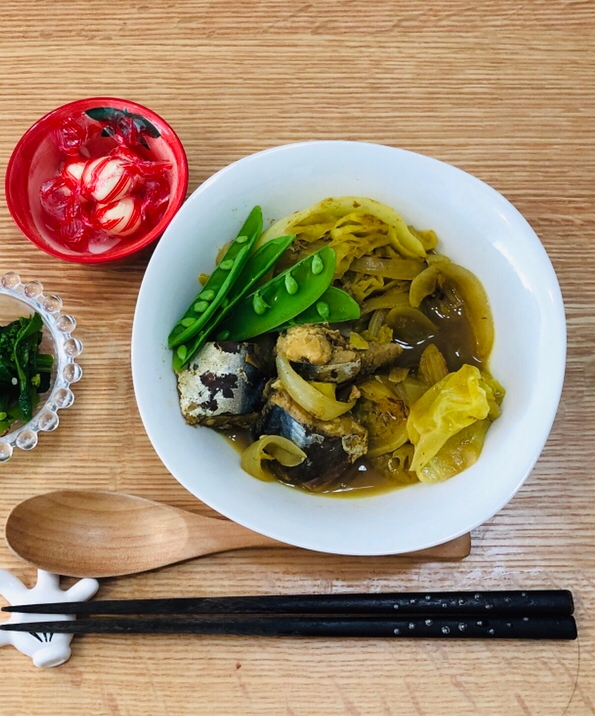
(541, 602)
(527, 614)
(289, 626)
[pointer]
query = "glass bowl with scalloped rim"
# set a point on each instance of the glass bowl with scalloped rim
(20, 299)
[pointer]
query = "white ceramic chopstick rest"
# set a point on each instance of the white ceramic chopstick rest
(46, 650)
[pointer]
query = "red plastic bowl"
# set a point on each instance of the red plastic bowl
(37, 158)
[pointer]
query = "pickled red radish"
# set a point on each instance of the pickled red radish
(96, 196)
(107, 179)
(120, 218)
(74, 170)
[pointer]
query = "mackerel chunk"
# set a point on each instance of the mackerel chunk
(321, 354)
(331, 446)
(378, 356)
(223, 385)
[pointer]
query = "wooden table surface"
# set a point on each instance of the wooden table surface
(502, 89)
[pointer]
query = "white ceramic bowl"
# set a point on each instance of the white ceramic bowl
(477, 228)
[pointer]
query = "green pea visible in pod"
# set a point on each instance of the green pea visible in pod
(290, 284)
(219, 282)
(340, 305)
(275, 304)
(201, 311)
(259, 304)
(259, 263)
(317, 265)
(323, 310)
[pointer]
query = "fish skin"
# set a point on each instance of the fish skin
(330, 446)
(223, 385)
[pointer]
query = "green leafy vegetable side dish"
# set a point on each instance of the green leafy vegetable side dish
(25, 373)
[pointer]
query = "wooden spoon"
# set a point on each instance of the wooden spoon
(90, 533)
(78, 533)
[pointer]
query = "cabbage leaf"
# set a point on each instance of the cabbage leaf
(449, 406)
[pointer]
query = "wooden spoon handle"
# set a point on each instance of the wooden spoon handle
(211, 535)
(208, 535)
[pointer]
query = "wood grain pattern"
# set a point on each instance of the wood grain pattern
(503, 89)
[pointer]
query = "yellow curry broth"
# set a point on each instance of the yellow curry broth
(437, 304)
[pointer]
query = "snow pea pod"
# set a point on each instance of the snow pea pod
(280, 299)
(255, 268)
(261, 261)
(334, 306)
(184, 353)
(219, 283)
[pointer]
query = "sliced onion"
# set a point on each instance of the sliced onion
(395, 268)
(270, 447)
(398, 438)
(444, 275)
(306, 395)
(397, 296)
(410, 323)
(327, 389)
(377, 320)
(432, 365)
